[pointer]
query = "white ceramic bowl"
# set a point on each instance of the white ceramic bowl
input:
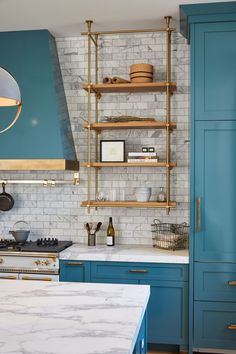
(143, 194)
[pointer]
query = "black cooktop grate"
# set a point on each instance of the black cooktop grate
(41, 245)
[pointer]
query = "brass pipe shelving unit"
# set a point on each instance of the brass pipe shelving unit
(98, 89)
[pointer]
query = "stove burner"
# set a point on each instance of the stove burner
(45, 242)
(11, 244)
(7, 243)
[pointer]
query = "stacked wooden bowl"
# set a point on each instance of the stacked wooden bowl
(141, 73)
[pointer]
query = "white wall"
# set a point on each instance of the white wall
(56, 211)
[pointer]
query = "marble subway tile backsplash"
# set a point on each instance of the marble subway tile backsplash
(56, 211)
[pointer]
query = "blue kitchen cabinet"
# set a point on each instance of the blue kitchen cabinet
(167, 310)
(215, 324)
(74, 271)
(215, 281)
(211, 31)
(214, 71)
(215, 176)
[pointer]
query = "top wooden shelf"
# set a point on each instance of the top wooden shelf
(132, 87)
(129, 125)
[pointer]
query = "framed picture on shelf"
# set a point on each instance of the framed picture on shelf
(112, 150)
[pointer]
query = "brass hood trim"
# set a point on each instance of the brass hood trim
(39, 165)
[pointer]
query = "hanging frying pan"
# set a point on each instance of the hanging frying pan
(6, 200)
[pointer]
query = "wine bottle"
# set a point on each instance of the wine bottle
(110, 234)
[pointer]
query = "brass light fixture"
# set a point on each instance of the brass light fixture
(9, 95)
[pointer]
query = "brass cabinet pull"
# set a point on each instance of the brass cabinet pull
(232, 282)
(138, 271)
(198, 214)
(8, 277)
(232, 327)
(74, 263)
(32, 278)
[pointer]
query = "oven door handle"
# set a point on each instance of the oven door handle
(35, 278)
(10, 277)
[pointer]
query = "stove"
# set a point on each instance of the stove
(41, 245)
(33, 260)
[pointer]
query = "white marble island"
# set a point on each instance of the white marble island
(70, 318)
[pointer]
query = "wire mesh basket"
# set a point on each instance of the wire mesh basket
(170, 236)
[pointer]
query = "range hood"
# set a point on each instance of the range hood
(42, 137)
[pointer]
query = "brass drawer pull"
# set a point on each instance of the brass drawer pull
(138, 271)
(32, 278)
(232, 327)
(232, 282)
(198, 214)
(74, 263)
(8, 277)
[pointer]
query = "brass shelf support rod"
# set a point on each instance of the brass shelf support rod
(168, 110)
(89, 24)
(97, 97)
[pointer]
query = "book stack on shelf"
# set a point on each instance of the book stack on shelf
(142, 157)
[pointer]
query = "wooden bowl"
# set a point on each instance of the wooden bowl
(141, 79)
(141, 74)
(141, 67)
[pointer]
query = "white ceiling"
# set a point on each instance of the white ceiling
(66, 17)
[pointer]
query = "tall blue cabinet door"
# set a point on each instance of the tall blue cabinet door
(214, 71)
(215, 185)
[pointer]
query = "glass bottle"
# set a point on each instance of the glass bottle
(110, 234)
(161, 195)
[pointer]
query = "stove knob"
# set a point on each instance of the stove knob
(46, 262)
(37, 262)
(1, 260)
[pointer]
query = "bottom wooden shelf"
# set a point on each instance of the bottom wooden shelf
(127, 204)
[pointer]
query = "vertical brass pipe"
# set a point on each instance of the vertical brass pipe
(89, 24)
(97, 114)
(168, 110)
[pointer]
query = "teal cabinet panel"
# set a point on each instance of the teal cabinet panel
(74, 271)
(168, 305)
(141, 343)
(212, 325)
(167, 312)
(215, 71)
(215, 176)
(138, 271)
(215, 281)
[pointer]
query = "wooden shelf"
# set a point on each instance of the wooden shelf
(128, 164)
(129, 125)
(132, 87)
(127, 204)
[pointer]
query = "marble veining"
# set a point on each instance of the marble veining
(122, 253)
(70, 318)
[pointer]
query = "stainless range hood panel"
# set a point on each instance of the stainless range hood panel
(42, 137)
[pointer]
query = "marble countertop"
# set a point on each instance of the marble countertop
(75, 318)
(121, 253)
